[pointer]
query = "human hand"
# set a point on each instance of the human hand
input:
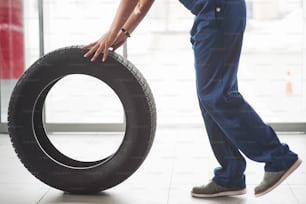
(120, 40)
(101, 45)
(107, 41)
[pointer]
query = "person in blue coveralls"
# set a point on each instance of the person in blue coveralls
(233, 127)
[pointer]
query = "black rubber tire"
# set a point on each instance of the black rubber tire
(31, 142)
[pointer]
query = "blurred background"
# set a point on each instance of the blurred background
(272, 74)
(84, 118)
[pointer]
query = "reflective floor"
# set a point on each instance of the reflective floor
(179, 159)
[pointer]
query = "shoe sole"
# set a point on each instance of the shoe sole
(293, 167)
(221, 194)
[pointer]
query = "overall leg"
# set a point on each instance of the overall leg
(217, 40)
(231, 172)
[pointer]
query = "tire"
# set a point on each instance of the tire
(37, 153)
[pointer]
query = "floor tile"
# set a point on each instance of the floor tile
(20, 193)
(117, 196)
(281, 195)
(179, 159)
(299, 193)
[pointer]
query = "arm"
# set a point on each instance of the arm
(140, 11)
(129, 15)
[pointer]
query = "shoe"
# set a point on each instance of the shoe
(212, 190)
(272, 179)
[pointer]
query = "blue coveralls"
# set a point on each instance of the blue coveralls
(231, 123)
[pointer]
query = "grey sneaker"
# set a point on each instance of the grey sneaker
(272, 179)
(212, 190)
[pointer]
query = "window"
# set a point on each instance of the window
(272, 73)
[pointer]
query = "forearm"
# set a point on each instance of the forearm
(126, 7)
(138, 14)
(128, 16)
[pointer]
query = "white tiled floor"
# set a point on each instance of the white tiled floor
(179, 159)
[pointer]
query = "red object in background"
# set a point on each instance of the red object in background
(11, 39)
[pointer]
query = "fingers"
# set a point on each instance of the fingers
(116, 46)
(91, 50)
(95, 50)
(105, 54)
(102, 45)
(97, 53)
(119, 43)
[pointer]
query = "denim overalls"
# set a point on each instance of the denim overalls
(231, 123)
